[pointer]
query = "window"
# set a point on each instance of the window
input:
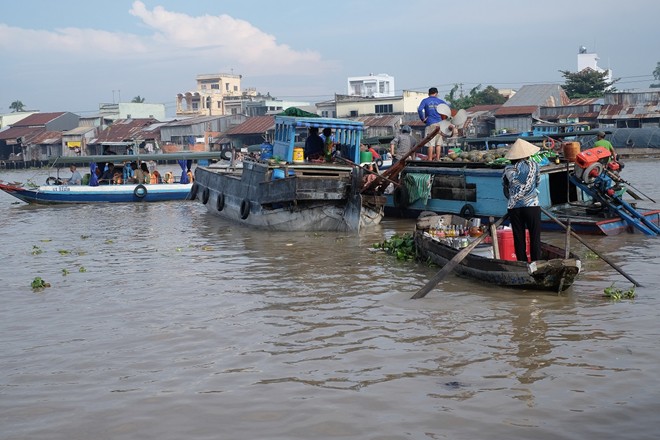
(215, 86)
(384, 108)
(235, 88)
(353, 113)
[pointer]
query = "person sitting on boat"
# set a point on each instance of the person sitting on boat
(328, 143)
(155, 177)
(117, 178)
(602, 142)
(313, 145)
(169, 177)
(401, 144)
(76, 178)
(108, 174)
(520, 182)
(127, 172)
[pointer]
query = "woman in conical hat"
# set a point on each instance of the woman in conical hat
(520, 182)
(521, 149)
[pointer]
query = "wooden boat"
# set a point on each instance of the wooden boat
(554, 272)
(475, 189)
(54, 192)
(285, 193)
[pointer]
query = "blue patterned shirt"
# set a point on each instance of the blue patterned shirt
(520, 182)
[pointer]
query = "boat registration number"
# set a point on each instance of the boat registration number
(62, 188)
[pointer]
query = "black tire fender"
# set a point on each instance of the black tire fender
(401, 197)
(205, 196)
(193, 191)
(245, 209)
(467, 211)
(140, 191)
(379, 162)
(53, 181)
(220, 202)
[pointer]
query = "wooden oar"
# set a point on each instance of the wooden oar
(605, 259)
(378, 176)
(451, 264)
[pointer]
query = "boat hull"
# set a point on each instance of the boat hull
(72, 194)
(555, 273)
(311, 198)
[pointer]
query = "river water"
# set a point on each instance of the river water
(164, 322)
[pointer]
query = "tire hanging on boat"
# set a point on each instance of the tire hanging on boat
(193, 191)
(245, 209)
(401, 197)
(205, 196)
(220, 202)
(53, 181)
(467, 211)
(140, 191)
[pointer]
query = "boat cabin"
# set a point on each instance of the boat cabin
(347, 134)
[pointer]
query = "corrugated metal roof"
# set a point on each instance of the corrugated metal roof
(483, 108)
(47, 137)
(585, 101)
(38, 119)
(11, 134)
(253, 125)
(538, 94)
(125, 130)
(517, 110)
(379, 121)
(649, 110)
(79, 131)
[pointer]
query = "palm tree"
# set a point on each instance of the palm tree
(17, 106)
(138, 99)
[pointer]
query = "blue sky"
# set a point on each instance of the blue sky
(72, 55)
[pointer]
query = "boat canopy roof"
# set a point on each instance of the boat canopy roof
(118, 158)
(333, 123)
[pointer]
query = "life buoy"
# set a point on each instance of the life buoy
(205, 196)
(193, 191)
(220, 202)
(140, 191)
(552, 143)
(245, 209)
(467, 211)
(226, 154)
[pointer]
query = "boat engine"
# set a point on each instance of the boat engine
(595, 168)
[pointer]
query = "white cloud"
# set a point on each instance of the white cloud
(216, 41)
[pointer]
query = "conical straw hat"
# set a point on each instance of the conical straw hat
(521, 149)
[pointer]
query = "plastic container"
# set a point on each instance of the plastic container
(266, 151)
(366, 157)
(298, 155)
(278, 173)
(506, 247)
(571, 150)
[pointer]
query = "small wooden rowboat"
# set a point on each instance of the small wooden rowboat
(554, 272)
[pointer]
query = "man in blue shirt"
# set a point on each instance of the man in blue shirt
(76, 178)
(431, 111)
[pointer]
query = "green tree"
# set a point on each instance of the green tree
(587, 83)
(17, 106)
(138, 99)
(489, 95)
(656, 75)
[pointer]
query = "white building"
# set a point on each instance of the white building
(590, 60)
(376, 86)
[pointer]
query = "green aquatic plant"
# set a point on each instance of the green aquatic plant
(36, 250)
(591, 256)
(64, 252)
(39, 283)
(616, 294)
(82, 269)
(401, 246)
(65, 272)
